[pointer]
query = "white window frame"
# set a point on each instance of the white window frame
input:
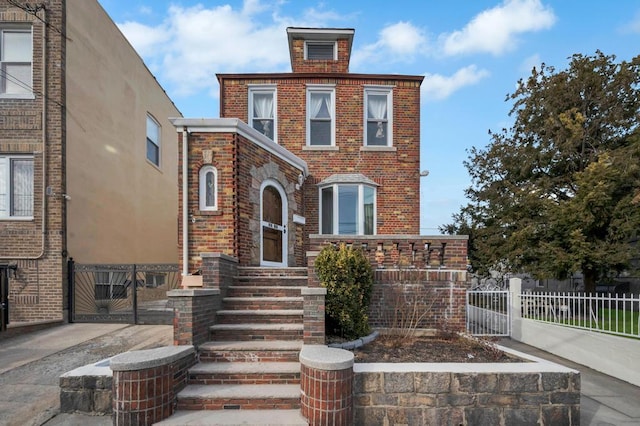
(158, 143)
(7, 192)
(380, 91)
(320, 42)
(202, 194)
(360, 219)
(27, 85)
(264, 89)
(331, 90)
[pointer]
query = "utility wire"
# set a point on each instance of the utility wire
(16, 80)
(33, 10)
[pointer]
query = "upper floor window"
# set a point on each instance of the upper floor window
(153, 141)
(321, 116)
(348, 209)
(16, 186)
(378, 116)
(15, 61)
(208, 194)
(262, 110)
(320, 50)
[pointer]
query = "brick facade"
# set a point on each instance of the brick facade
(35, 127)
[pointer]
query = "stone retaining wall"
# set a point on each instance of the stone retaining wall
(536, 392)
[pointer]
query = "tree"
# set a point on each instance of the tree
(559, 192)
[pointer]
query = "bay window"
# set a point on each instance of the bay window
(347, 209)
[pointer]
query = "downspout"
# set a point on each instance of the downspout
(185, 203)
(44, 150)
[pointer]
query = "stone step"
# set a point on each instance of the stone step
(236, 417)
(263, 331)
(268, 316)
(239, 397)
(251, 351)
(272, 272)
(235, 373)
(272, 281)
(264, 291)
(234, 303)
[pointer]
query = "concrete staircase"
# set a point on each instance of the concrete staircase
(249, 372)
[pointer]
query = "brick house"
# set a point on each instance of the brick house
(319, 150)
(87, 154)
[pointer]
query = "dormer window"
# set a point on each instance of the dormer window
(320, 50)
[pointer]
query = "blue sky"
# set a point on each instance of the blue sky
(472, 54)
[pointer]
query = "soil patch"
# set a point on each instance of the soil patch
(431, 349)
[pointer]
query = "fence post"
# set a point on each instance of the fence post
(71, 270)
(134, 280)
(515, 288)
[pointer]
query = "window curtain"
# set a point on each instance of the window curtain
(263, 110)
(317, 101)
(377, 106)
(3, 187)
(22, 192)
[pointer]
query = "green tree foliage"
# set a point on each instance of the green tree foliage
(559, 192)
(348, 277)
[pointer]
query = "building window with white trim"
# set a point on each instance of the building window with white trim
(348, 209)
(208, 195)
(262, 110)
(321, 116)
(153, 141)
(378, 111)
(16, 187)
(16, 52)
(320, 50)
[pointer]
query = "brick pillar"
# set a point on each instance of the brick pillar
(194, 311)
(314, 315)
(145, 383)
(326, 382)
(218, 271)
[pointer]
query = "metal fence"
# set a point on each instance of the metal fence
(134, 294)
(489, 313)
(606, 313)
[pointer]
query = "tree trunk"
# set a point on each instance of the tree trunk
(589, 276)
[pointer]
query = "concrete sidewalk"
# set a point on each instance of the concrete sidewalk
(31, 365)
(604, 401)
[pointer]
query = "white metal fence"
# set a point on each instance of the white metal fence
(489, 313)
(607, 313)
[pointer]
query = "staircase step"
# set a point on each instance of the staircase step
(252, 281)
(251, 351)
(279, 316)
(236, 417)
(233, 303)
(235, 373)
(256, 331)
(264, 291)
(239, 397)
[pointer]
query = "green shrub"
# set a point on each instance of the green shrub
(348, 277)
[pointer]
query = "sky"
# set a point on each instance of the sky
(471, 52)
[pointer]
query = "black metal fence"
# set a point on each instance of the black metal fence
(132, 294)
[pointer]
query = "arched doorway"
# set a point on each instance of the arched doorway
(273, 224)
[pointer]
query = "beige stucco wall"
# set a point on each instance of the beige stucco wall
(123, 209)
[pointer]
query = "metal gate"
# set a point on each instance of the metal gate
(132, 294)
(489, 313)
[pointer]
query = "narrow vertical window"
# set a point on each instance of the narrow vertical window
(208, 188)
(153, 141)
(327, 210)
(16, 53)
(378, 114)
(320, 117)
(16, 187)
(262, 110)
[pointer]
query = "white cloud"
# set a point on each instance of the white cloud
(532, 61)
(438, 87)
(399, 42)
(495, 30)
(633, 26)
